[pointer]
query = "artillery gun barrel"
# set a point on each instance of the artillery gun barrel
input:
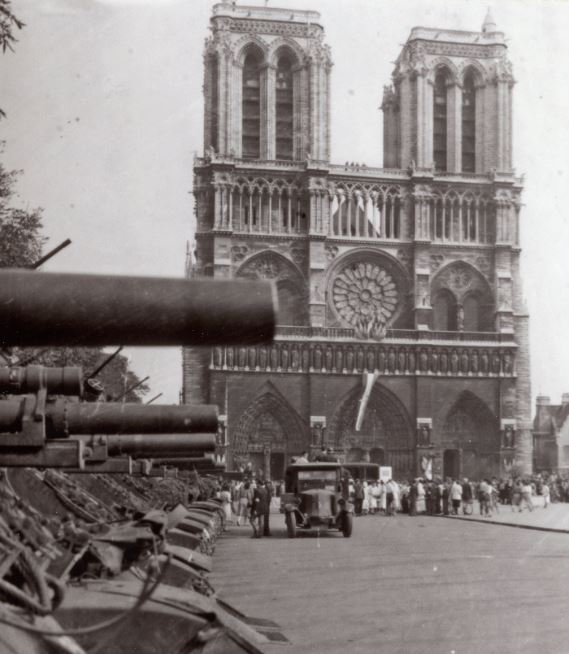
(38, 309)
(207, 459)
(146, 445)
(189, 463)
(57, 381)
(64, 417)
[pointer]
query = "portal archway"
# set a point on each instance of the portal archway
(471, 430)
(268, 432)
(386, 435)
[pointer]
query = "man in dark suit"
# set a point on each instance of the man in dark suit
(260, 511)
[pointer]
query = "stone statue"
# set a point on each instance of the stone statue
(424, 436)
(460, 318)
(318, 358)
(328, 358)
(381, 360)
(263, 358)
(454, 362)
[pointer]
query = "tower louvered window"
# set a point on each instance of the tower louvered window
(440, 121)
(251, 144)
(468, 125)
(215, 103)
(284, 109)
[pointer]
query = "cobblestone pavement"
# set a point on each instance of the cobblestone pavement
(405, 585)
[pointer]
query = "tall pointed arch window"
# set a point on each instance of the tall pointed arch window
(469, 124)
(440, 120)
(214, 86)
(251, 134)
(284, 108)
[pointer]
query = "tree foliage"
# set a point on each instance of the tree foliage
(21, 240)
(8, 25)
(21, 244)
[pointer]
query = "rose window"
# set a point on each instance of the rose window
(365, 296)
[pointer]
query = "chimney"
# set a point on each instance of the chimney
(543, 400)
(565, 399)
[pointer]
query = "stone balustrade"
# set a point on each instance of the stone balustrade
(425, 336)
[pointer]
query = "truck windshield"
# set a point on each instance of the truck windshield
(317, 479)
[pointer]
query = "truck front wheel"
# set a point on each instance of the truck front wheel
(347, 525)
(290, 525)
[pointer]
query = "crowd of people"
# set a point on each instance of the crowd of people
(458, 496)
(248, 501)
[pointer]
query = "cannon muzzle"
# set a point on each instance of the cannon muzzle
(38, 309)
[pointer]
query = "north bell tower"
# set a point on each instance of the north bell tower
(267, 84)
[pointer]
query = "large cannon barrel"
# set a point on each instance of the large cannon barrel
(64, 417)
(58, 381)
(208, 459)
(149, 445)
(201, 463)
(117, 418)
(38, 309)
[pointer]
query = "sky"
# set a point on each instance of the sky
(105, 114)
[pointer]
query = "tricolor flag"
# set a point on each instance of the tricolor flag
(369, 380)
(377, 219)
(335, 205)
(372, 216)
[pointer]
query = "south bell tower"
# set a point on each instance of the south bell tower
(410, 271)
(450, 106)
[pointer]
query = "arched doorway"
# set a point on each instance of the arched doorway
(386, 436)
(470, 439)
(451, 464)
(268, 432)
(377, 455)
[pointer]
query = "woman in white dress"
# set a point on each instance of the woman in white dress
(374, 497)
(382, 497)
(421, 507)
(365, 504)
(225, 497)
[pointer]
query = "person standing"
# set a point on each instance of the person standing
(485, 498)
(546, 495)
(455, 496)
(526, 496)
(225, 497)
(467, 497)
(390, 498)
(260, 511)
(365, 503)
(413, 498)
(373, 492)
(358, 497)
(245, 500)
(421, 506)
(445, 497)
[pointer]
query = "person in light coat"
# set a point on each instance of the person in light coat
(455, 496)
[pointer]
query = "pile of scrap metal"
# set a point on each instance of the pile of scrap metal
(99, 552)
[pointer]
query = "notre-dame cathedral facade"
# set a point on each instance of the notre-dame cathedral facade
(411, 270)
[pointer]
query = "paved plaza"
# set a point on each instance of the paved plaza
(407, 585)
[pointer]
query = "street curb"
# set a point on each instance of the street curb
(505, 524)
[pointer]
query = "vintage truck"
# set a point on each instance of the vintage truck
(316, 494)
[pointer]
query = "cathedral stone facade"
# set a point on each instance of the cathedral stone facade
(410, 271)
